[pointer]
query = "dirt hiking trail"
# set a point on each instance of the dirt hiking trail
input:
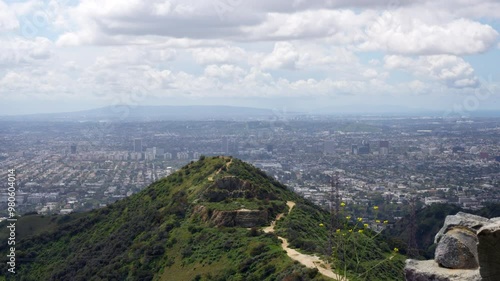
(307, 260)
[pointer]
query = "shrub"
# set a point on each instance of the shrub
(254, 231)
(259, 249)
(187, 252)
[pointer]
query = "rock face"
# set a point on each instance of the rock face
(457, 249)
(464, 242)
(430, 271)
(465, 220)
(489, 251)
(233, 187)
(229, 187)
(240, 218)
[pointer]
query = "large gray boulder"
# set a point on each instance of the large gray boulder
(430, 271)
(489, 251)
(457, 249)
(465, 241)
(472, 222)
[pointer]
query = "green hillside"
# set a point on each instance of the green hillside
(204, 222)
(428, 222)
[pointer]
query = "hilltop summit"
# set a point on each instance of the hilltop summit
(218, 218)
(192, 225)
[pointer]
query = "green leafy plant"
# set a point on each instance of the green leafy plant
(358, 253)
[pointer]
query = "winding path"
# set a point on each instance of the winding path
(307, 260)
(211, 178)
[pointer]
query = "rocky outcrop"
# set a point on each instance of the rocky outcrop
(430, 271)
(239, 218)
(229, 187)
(489, 251)
(468, 250)
(202, 212)
(233, 187)
(471, 222)
(457, 249)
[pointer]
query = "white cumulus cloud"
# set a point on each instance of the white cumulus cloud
(8, 19)
(397, 32)
(454, 71)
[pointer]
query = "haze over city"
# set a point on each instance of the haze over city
(354, 56)
(260, 140)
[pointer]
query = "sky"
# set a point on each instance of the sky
(295, 55)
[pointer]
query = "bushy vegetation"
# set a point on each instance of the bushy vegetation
(360, 254)
(156, 234)
(301, 228)
(152, 235)
(354, 251)
(428, 222)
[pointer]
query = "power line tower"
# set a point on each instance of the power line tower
(412, 248)
(334, 199)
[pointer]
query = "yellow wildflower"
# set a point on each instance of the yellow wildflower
(375, 207)
(321, 225)
(377, 221)
(386, 222)
(342, 204)
(350, 230)
(360, 231)
(396, 250)
(360, 219)
(365, 225)
(348, 217)
(338, 230)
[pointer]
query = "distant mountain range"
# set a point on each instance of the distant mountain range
(393, 110)
(127, 113)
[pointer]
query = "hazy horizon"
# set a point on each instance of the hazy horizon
(323, 110)
(295, 55)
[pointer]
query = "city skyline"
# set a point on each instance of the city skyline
(75, 55)
(87, 166)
